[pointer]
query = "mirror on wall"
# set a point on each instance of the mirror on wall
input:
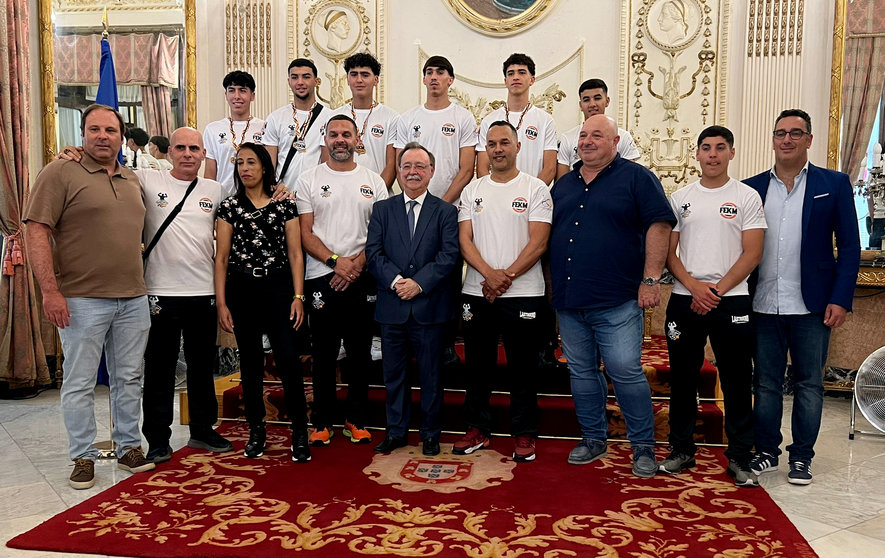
(856, 115)
(152, 47)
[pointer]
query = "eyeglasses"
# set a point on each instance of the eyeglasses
(417, 166)
(795, 133)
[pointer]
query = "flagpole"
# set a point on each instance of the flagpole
(107, 95)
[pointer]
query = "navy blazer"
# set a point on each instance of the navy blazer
(428, 258)
(828, 208)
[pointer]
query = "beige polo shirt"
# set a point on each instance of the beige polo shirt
(96, 221)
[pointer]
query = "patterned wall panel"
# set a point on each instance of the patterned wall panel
(328, 31)
(674, 78)
(249, 46)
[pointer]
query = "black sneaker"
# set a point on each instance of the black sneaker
(676, 463)
(210, 441)
(161, 454)
(742, 474)
(257, 438)
(300, 446)
(800, 472)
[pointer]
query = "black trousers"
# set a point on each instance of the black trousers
(731, 334)
(399, 341)
(194, 317)
(518, 321)
(337, 316)
(261, 305)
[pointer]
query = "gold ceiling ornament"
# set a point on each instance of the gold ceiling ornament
(73, 6)
(503, 17)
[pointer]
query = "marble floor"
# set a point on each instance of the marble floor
(842, 513)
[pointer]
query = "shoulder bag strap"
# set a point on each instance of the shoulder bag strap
(313, 117)
(175, 211)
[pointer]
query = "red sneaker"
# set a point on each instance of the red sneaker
(472, 441)
(525, 449)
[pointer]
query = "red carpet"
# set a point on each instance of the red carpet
(350, 502)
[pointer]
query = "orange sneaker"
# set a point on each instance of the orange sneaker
(321, 437)
(356, 434)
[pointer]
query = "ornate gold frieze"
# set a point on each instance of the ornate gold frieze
(493, 21)
(870, 277)
(482, 107)
(71, 6)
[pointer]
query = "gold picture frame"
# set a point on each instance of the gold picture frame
(47, 72)
(468, 12)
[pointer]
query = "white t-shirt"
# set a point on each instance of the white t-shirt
(182, 263)
(500, 214)
(219, 144)
(378, 128)
(568, 146)
(280, 130)
(710, 223)
(164, 164)
(536, 134)
(443, 132)
(341, 203)
(144, 160)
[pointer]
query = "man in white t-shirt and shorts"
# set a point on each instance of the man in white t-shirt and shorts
(716, 243)
(222, 138)
(534, 127)
(376, 122)
(592, 99)
(297, 125)
(504, 224)
(335, 202)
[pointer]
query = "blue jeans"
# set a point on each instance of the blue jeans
(120, 326)
(617, 332)
(807, 339)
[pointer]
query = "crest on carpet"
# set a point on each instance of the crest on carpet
(408, 470)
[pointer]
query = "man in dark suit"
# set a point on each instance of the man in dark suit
(411, 249)
(803, 290)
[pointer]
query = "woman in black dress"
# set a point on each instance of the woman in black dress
(259, 288)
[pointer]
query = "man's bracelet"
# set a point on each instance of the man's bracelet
(299, 297)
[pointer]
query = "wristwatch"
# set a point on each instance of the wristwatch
(650, 281)
(333, 259)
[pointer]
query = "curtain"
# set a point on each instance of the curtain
(22, 357)
(157, 105)
(139, 59)
(862, 81)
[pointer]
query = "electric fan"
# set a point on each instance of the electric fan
(869, 393)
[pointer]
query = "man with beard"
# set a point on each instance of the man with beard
(335, 202)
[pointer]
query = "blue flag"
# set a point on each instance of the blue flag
(107, 83)
(107, 95)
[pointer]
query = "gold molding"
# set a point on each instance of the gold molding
(499, 27)
(190, 62)
(47, 79)
(870, 278)
(76, 6)
(836, 86)
(47, 71)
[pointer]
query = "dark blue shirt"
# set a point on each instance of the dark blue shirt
(597, 245)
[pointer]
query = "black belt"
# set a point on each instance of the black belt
(260, 272)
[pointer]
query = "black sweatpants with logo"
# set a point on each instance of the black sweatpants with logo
(731, 334)
(197, 319)
(518, 321)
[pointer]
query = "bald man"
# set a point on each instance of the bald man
(609, 214)
(178, 273)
